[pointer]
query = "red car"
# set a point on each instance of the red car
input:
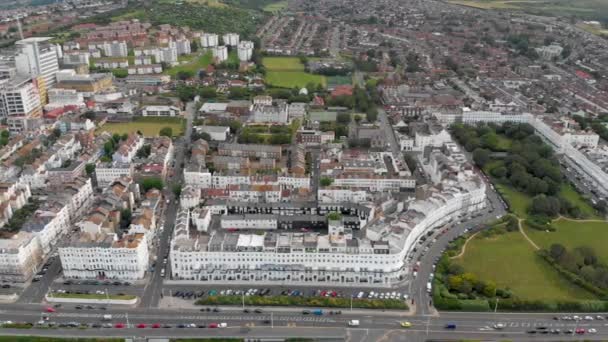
(156, 325)
(580, 331)
(212, 325)
(119, 325)
(141, 326)
(50, 309)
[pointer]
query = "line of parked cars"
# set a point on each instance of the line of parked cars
(545, 331)
(97, 282)
(45, 324)
(381, 295)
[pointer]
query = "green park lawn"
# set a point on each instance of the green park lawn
(291, 79)
(569, 193)
(193, 65)
(518, 201)
(276, 6)
(574, 234)
(288, 72)
(283, 64)
(511, 262)
(150, 127)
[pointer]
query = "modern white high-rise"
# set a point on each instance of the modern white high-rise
(209, 40)
(220, 53)
(36, 57)
(115, 49)
(231, 39)
(183, 46)
(245, 50)
(19, 100)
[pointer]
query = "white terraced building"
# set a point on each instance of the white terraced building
(104, 256)
(375, 259)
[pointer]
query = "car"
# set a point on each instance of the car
(599, 318)
(201, 326)
(156, 325)
(119, 325)
(182, 325)
(568, 331)
(266, 321)
(50, 309)
(588, 318)
(246, 310)
(216, 310)
(56, 306)
(531, 331)
(541, 328)
(106, 325)
(212, 325)
(405, 324)
(592, 330)
(580, 331)
(555, 331)
(78, 307)
(258, 310)
(450, 326)
(167, 326)
(140, 326)
(305, 312)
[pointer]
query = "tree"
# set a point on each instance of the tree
(184, 75)
(481, 156)
(125, 218)
(89, 169)
(108, 148)
(56, 133)
(343, 118)
(556, 251)
(166, 131)
(152, 183)
(371, 115)
(499, 172)
(490, 289)
(177, 190)
(326, 181)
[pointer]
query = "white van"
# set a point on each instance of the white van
(222, 325)
(429, 287)
(353, 323)
(107, 317)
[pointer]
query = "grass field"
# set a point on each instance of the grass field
(194, 65)
(283, 64)
(574, 234)
(149, 128)
(276, 6)
(511, 262)
(597, 30)
(589, 9)
(518, 201)
(288, 72)
(568, 192)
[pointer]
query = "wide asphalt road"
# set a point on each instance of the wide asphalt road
(281, 323)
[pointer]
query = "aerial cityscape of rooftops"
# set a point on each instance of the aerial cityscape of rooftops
(290, 170)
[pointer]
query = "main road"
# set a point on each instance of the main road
(373, 325)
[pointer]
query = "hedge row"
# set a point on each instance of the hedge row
(328, 302)
(572, 277)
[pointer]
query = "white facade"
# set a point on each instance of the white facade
(143, 69)
(183, 47)
(245, 50)
(209, 40)
(64, 97)
(160, 111)
(109, 173)
(37, 57)
(337, 195)
(76, 57)
(19, 99)
(220, 53)
(198, 178)
(263, 222)
(20, 257)
(231, 39)
(375, 183)
(115, 49)
(110, 258)
(217, 133)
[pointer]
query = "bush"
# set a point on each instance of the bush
(327, 302)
